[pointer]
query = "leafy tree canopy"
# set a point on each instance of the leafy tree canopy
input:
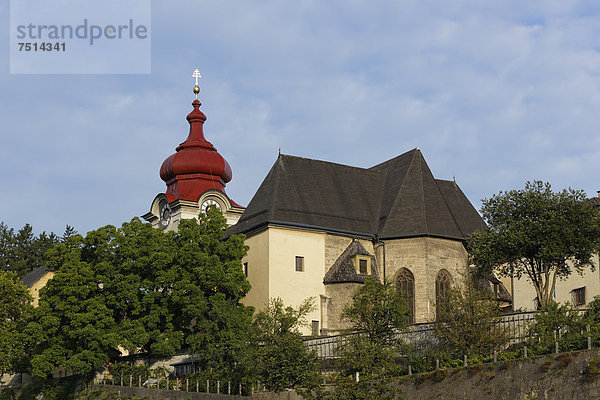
(15, 307)
(22, 251)
(468, 323)
(537, 233)
(282, 360)
(377, 309)
(145, 290)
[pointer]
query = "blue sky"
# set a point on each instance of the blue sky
(493, 93)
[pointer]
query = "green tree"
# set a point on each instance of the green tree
(537, 233)
(377, 313)
(468, 323)
(282, 360)
(22, 251)
(144, 289)
(378, 310)
(15, 307)
(560, 323)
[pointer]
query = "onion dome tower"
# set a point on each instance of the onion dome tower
(195, 175)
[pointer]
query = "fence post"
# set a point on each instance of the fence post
(437, 363)
(121, 380)
(207, 386)
(112, 379)
(589, 338)
(197, 386)
(218, 387)
(465, 360)
(357, 376)
(130, 380)
(167, 383)
(240, 388)
(176, 384)
(140, 381)
(187, 385)
(409, 370)
(495, 356)
(525, 352)
(228, 387)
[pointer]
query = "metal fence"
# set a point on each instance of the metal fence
(421, 336)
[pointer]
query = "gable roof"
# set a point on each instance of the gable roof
(343, 270)
(35, 275)
(397, 198)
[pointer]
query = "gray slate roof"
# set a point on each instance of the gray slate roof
(397, 198)
(35, 275)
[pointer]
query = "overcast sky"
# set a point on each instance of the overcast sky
(493, 93)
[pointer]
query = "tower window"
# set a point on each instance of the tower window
(299, 263)
(578, 296)
(362, 264)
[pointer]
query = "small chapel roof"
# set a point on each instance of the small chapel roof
(35, 275)
(397, 198)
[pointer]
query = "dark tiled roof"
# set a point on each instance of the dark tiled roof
(594, 201)
(398, 198)
(466, 216)
(31, 278)
(343, 269)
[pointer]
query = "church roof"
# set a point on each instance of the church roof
(398, 198)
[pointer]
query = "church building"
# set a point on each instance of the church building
(317, 229)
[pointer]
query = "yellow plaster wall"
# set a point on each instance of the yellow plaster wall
(287, 283)
(35, 289)
(524, 294)
(258, 269)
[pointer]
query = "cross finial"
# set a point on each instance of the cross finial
(196, 75)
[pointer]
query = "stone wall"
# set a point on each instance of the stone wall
(557, 377)
(147, 393)
(425, 257)
(339, 294)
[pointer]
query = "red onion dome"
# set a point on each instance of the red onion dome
(196, 166)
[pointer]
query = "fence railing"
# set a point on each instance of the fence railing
(421, 336)
(524, 343)
(191, 385)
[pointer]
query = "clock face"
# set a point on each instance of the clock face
(208, 203)
(165, 215)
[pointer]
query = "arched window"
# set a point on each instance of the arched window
(442, 286)
(405, 282)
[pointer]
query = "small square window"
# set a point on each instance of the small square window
(362, 267)
(246, 269)
(578, 296)
(299, 263)
(362, 264)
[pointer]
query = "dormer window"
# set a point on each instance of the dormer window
(362, 264)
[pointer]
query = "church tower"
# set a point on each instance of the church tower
(195, 175)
